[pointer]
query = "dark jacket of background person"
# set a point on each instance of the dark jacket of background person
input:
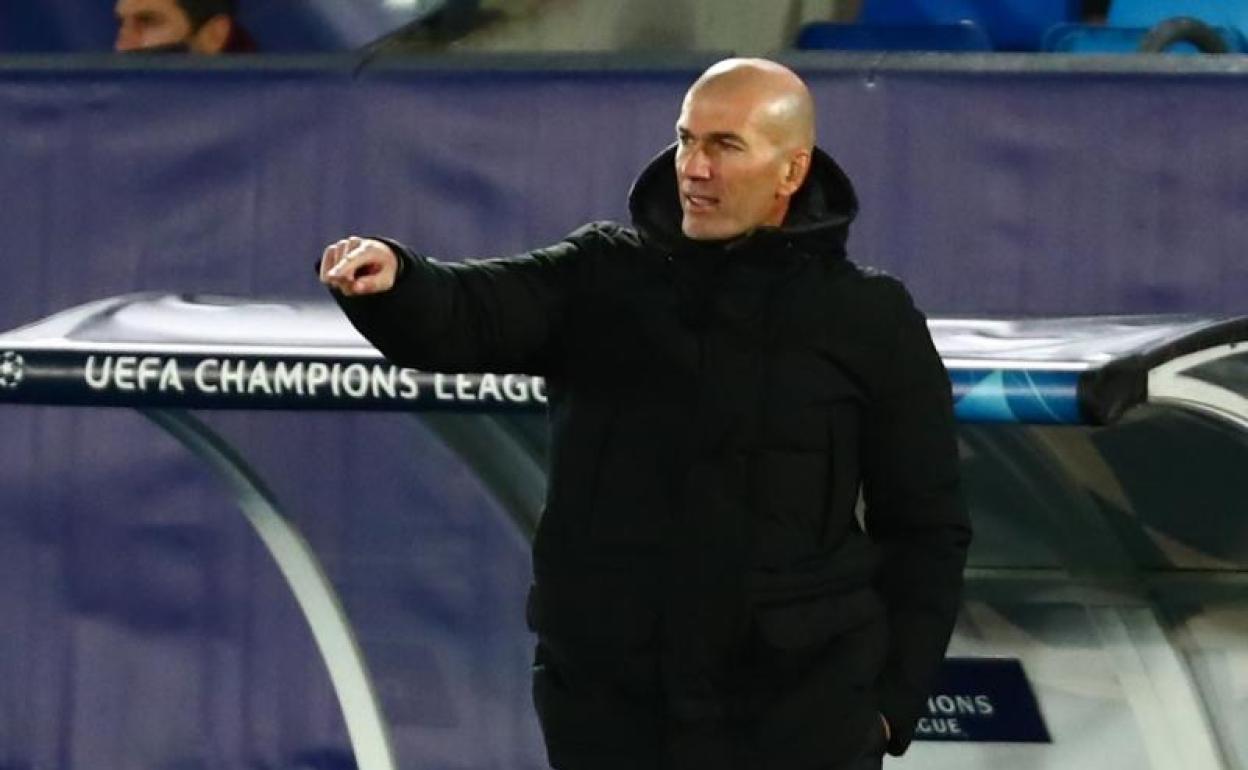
(714, 409)
(240, 40)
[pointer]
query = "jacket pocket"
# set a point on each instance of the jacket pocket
(810, 623)
(805, 483)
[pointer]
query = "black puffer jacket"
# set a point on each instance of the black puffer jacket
(715, 410)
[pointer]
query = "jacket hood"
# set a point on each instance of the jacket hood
(817, 221)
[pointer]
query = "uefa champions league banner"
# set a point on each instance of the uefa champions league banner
(233, 381)
(215, 353)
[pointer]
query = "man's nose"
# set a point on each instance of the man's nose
(696, 164)
(127, 39)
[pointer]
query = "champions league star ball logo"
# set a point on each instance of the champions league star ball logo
(11, 370)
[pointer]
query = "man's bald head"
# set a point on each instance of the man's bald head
(782, 100)
(746, 135)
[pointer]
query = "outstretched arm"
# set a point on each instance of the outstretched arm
(490, 315)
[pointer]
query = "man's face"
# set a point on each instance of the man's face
(730, 172)
(151, 23)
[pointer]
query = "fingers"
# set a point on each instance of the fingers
(333, 256)
(356, 265)
(350, 256)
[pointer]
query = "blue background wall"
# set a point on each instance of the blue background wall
(144, 627)
(1041, 191)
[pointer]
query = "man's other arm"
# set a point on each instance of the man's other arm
(916, 513)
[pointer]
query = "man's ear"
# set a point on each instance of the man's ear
(212, 36)
(795, 172)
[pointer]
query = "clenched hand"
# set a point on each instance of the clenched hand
(355, 266)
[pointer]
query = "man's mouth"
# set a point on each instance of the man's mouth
(699, 202)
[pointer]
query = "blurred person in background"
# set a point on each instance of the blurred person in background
(180, 26)
(1094, 11)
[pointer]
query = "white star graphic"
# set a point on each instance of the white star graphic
(10, 369)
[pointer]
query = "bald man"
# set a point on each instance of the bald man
(725, 387)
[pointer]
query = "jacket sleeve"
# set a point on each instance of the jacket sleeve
(916, 514)
(496, 315)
